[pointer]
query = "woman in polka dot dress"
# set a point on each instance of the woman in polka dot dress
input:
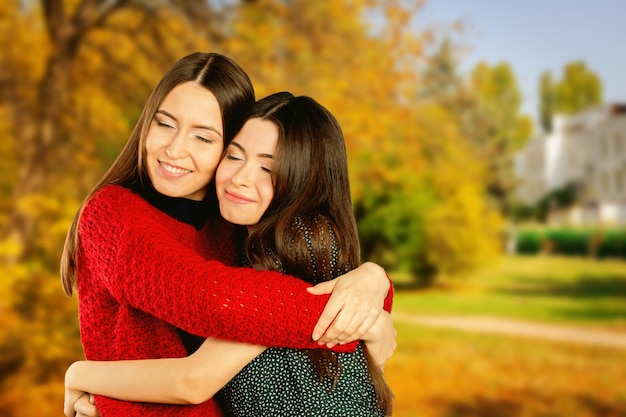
(285, 178)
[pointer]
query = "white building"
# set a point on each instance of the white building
(588, 149)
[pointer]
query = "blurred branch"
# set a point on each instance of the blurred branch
(204, 17)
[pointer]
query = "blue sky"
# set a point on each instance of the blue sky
(538, 35)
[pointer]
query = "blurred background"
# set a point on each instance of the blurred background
(487, 160)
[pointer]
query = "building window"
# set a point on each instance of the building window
(605, 183)
(617, 138)
(619, 178)
(604, 146)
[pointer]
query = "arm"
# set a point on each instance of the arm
(213, 300)
(381, 339)
(190, 380)
(356, 301)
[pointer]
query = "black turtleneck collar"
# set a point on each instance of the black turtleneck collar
(194, 213)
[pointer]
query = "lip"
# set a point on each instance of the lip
(169, 170)
(237, 198)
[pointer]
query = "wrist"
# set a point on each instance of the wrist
(375, 331)
(382, 279)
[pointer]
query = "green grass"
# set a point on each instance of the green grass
(544, 289)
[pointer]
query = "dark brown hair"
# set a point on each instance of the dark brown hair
(217, 73)
(309, 229)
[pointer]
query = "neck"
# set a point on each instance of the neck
(192, 212)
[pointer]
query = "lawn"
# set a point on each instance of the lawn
(545, 289)
(448, 373)
(445, 373)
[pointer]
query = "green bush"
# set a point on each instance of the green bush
(612, 245)
(568, 242)
(605, 243)
(528, 242)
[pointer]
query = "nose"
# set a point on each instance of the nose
(177, 147)
(244, 176)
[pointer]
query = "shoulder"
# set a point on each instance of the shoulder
(115, 199)
(113, 194)
(114, 205)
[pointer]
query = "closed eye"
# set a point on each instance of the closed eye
(233, 157)
(163, 124)
(205, 140)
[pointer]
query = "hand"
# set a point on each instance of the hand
(355, 303)
(78, 403)
(86, 406)
(380, 340)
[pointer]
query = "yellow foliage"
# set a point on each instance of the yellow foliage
(367, 76)
(462, 232)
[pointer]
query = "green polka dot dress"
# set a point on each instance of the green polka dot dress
(283, 382)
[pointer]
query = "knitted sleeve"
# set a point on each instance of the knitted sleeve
(141, 263)
(389, 300)
(112, 407)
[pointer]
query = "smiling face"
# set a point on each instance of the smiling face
(185, 142)
(243, 180)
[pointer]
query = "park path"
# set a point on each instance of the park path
(519, 328)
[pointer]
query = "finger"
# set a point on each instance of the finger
(361, 330)
(68, 410)
(337, 331)
(83, 406)
(322, 288)
(92, 400)
(351, 324)
(69, 403)
(333, 307)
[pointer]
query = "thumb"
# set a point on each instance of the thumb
(325, 287)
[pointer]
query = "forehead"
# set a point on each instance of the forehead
(258, 136)
(191, 102)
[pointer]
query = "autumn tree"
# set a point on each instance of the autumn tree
(442, 81)
(578, 89)
(496, 127)
(487, 106)
(546, 101)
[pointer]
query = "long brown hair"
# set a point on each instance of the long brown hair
(309, 229)
(217, 73)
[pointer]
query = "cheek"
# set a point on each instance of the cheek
(153, 142)
(224, 174)
(209, 161)
(221, 177)
(267, 190)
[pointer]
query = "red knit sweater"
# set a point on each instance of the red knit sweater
(142, 274)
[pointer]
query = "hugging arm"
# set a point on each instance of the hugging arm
(190, 380)
(259, 307)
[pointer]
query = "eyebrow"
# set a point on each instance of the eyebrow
(171, 116)
(262, 155)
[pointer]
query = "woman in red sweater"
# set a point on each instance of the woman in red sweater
(149, 256)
